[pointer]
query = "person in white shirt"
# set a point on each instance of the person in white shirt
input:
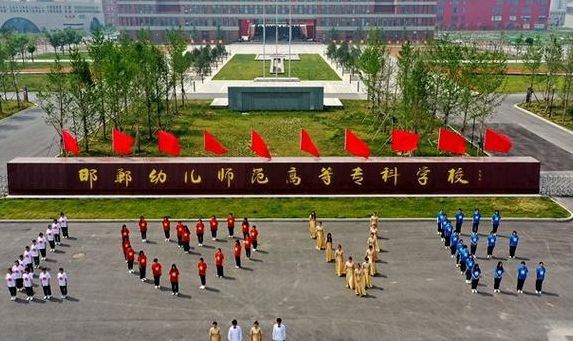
(51, 238)
(56, 229)
(41, 243)
(63, 283)
(235, 333)
(35, 254)
(63, 221)
(17, 271)
(279, 331)
(45, 282)
(27, 259)
(29, 284)
(11, 284)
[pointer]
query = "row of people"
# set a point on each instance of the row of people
(45, 282)
(452, 238)
(235, 333)
(442, 217)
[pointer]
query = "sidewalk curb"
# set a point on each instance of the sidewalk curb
(21, 112)
(516, 106)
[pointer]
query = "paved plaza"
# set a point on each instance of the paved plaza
(419, 295)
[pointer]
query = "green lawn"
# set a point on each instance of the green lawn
(34, 82)
(565, 120)
(520, 83)
(10, 107)
(52, 55)
(534, 207)
(46, 64)
(245, 67)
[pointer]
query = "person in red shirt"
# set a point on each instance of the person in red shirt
(166, 224)
(174, 279)
(202, 267)
(125, 245)
(130, 260)
(142, 261)
(231, 225)
(254, 234)
(143, 229)
(247, 243)
(214, 225)
(186, 239)
(219, 259)
(156, 269)
(179, 233)
(237, 253)
(245, 227)
(199, 230)
(124, 232)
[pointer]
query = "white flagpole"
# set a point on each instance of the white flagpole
(264, 38)
(289, 34)
(276, 35)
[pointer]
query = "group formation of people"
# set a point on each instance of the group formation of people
(466, 259)
(20, 276)
(235, 333)
(358, 274)
(250, 237)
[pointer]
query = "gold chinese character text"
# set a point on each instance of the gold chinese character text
(293, 178)
(192, 177)
(422, 175)
(156, 177)
(259, 176)
(326, 175)
(123, 177)
(88, 175)
(390, 173)
(457, 176)
(357, 175)
(226, 174)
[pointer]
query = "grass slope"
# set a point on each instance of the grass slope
(10, 107)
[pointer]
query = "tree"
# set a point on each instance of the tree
(532, 60)
(83, 97)
(553, 55)
(31, 48)
(178, 61)
(12, 48)
(567, 87)
(331, 50)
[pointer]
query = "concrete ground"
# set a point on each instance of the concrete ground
(419, 295)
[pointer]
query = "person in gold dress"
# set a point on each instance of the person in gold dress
(367, 275)
(349, 267)
(320, 236)
(374, 219)
(312, 225)
(372, 241)
(256, 333)
(329, 253)
(359, 281)
(214, 332)
(339, 258)
(374, 230)
(371, 260)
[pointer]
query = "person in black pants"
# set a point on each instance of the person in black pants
(476, 274)
(174, 278)
(497, 276)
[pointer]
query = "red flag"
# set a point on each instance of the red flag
(70, 143)
(259, 146)
(306, 144)
(121, 142)
(496, 142)
(211, 144)
(451, 142)
(353, 144)
(168, 143)
(404, 141)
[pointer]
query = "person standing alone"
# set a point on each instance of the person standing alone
(279, 331)
(143, 229)
(540, 277)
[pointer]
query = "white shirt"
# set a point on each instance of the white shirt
(45, 278)
(41, 242)
(28, 280)
(10, 280)
(56, 228)
(235, 334)
(63, 221)
(62, 279)
(27, 257)
(50, 234)
(34, 251)
(279, 332)
(16, 272)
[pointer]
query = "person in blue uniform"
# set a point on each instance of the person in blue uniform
(463, 258)
(459, 220)
(474, 239)
(476, 274)
(497, 276)
(491, 240)
(495, 220)
(454, 240)
(459, 250)
(448, 234)
(470, 262)
(440, 218)
(475, 220)
(540, 277)
(513, 240)
(522, 271)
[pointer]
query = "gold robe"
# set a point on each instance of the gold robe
(215, 334)
(320, 237)
(359, 282)
(349, 275)
(372, 241)
(367, 275)
(329, 254)
(370, 255)
(312, 228)
(374, 220)
(339, 266)
(256, 334)
(374, 229)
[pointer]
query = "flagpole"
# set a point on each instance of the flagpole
(289, 34)
(276, 36)
(264, 38)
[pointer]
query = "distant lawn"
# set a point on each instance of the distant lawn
(245, 67)
(538, 108)
(10, 107)
(191, 209)
(62, 55)
(520, 83)
(36, 64)
(34, 82)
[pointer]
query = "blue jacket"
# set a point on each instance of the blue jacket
(495, 219)
(448, 230)
(513, 240)
(474, 238)
(540, 271)
(464, 255)
(459, 217)
(460, 247)
(470, 263)
(498, 272)
(476, 273)
(491, 239)
(454, 240)
(522, 272)
(476, 217)
(440, 217)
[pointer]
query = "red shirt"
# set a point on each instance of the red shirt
(124, 232)
(156, 268)
(143, 225)
(180, 228)
(237, 250)
(245, 227)
(202, 266)
(254, 234)
(219, 258)
(186, 235)
(126, 245)
(174, 275)
(247, 242)
(214, 224)
(130, 254)
(166, 224)
(230, 221)
(142, 260)
(200, 228)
